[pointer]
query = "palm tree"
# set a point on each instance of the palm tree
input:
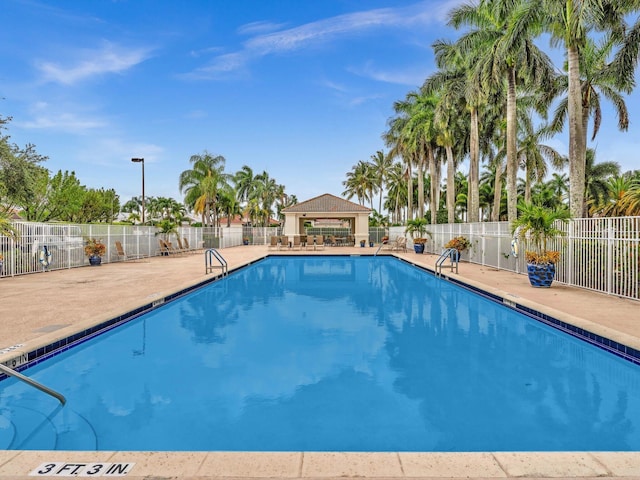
(559, 185)
(597, 175)
(598, 79)
(569, 24)
(613, 204)
(201, 184)
(360, 182)
(380, 165)
(396, 192)
(533, 155)
(455, 80)
(244, 183)
(504, 35)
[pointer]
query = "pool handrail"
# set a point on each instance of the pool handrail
(211, 253)
(450, 253)
(12, 373)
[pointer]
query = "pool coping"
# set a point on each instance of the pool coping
(329, 464)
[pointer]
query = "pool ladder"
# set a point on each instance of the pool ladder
(451, 254)
(11, 372)
(209, 255)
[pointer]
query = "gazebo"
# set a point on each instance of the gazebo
(327, 206)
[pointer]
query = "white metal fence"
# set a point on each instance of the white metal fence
(597, 254)
(601, 254)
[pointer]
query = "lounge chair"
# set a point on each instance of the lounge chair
(122, 255)
(181, 248)
(274, 243)
(284, 242)
(185, 242)
(319, 245)
(296, 242)
(163, 248)
(400, 244)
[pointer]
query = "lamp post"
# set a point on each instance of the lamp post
(141, 160)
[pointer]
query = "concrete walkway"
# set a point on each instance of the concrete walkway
(40, 308)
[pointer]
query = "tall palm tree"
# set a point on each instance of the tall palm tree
(598, 79)
(570, 23)
(360, 182)
(381, 165)
(455, 79)
(504, 35)
(243, 180)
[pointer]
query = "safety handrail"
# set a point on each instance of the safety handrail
(449, 253)
(381, 245)
(211, 253)
(12, 373)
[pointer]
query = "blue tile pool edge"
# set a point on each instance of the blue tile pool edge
(616, 348)
(42, 353)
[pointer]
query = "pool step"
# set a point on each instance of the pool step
(24, 427)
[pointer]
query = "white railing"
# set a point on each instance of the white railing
(597, 254)
(65, 243)
(601, 254)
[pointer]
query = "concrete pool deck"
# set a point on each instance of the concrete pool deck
(41, 308)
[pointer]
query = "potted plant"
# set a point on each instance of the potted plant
(460, 244)
(94, 249)
(245, 240)
(538, 224)
(417, 228)
(362, 243)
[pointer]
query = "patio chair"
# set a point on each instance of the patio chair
(122, 255)
(163, 248)
(284, 242)
(296, 243)
(193, 249)
(400, 244)
(181, 248)
(274, 243)
(319, 245)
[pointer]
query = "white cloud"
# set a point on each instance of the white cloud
(254, 28)
(67, 122)
(323, 31)
(109, 58)
(412, 77)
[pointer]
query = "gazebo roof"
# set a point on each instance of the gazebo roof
(326, 203)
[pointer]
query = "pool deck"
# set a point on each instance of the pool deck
(40, 308)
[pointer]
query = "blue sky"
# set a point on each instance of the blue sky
(300, 88)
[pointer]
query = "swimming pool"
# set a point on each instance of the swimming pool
(332, 353)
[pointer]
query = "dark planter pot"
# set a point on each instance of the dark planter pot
(95, 260)
(371, 244)
(456, 256)
(541, 275)
(362, 244)
(418, 247)
(245, 242)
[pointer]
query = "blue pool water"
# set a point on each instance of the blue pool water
(322, 354)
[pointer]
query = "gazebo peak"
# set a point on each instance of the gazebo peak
(326, 203)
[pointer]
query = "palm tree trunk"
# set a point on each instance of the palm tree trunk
(497, 193)
(433, 187)
(420, 185)
(409, 190)
(473, 190)
(512, 153)
(451, 186)
(577, 145)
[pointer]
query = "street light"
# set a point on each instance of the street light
(141, 160)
